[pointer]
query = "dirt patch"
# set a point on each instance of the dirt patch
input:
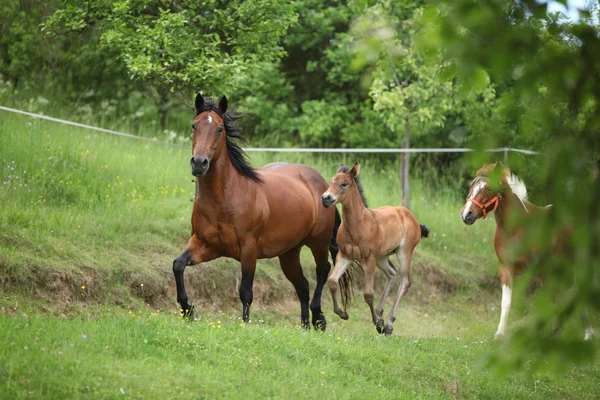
(437, 279)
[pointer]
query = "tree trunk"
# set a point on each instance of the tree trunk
(404, 167)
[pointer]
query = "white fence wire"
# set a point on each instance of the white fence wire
(504, 150)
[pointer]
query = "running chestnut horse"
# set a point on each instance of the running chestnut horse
(247, 214)
(369, 237)
(509, 198)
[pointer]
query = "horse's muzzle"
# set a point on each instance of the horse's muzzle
(469, 219)
(199, 165)
(327, 200)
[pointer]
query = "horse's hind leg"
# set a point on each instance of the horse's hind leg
(404, 258)
(369, 268)
(341, 265)
(389, 269)
(292, 269)
(323, 268)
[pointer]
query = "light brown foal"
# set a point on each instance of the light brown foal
(369, 237)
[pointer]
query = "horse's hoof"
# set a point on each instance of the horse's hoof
(499, 336)
(343, 315)
(388, 330)
(380, 326)
(190, 314)
(320, 323)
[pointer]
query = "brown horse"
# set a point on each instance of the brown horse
(370, 237)
(247, 214)
(508, 198)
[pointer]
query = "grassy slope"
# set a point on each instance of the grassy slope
(111, 214)
(106, 215)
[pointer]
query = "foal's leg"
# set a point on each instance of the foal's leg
(506, 277)
(292, 269)
(341, 264)
(404, 258)
(248, 262)
(369, 268)
(389, 269)
(323, 268)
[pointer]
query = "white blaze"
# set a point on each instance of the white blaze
(476, 190)
(209, 119)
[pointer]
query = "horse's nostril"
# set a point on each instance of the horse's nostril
(469, 215)
(205, 163)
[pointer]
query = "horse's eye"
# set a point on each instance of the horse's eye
(487, 189)
(194, 127)
(219, 129)
(344, 185)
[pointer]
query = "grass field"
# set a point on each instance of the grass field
(90, 224)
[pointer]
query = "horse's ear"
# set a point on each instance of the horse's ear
(199, 103)
(223, 105)
(355, 170)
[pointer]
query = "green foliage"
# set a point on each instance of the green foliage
(187, 45)
(546, 68)
(405, 90)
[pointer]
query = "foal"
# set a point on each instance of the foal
(511, 197)
(369, 237)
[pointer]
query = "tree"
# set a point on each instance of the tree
(184, 45)
(408, 94)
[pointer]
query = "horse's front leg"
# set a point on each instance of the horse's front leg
(194, 253)
(506, 278)
(248, 262)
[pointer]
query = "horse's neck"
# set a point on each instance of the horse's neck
(213, 188)
(508, 202)
(353, 210)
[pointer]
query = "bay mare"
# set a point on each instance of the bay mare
(509, 197)
(246, 214)
(369, 237)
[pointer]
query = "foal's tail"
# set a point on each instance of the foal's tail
(424, 231)
(347, 281)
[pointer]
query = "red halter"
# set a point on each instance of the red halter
(485, 206)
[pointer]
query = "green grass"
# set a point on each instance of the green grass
(91, 239)
(149, 355)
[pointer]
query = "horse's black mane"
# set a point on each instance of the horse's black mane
(343, 168)
(237, 156)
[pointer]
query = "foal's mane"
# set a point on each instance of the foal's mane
(237, 156)
(343, 168)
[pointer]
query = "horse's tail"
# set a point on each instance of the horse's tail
(347, 281)
(424, 231)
